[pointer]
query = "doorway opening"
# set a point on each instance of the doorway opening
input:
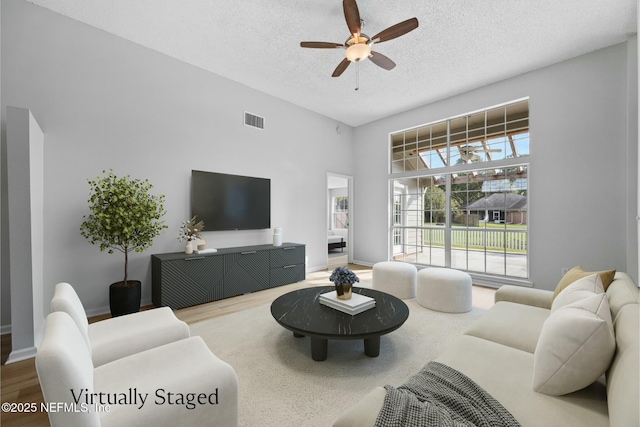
(339, 224)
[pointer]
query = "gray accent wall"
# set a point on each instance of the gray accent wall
(106, 103)
(583, 174)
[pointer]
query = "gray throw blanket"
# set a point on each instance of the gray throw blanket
(440, 396)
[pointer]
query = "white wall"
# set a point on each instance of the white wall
(580, 189)
(106, 103)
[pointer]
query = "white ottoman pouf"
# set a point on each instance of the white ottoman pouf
(395, 278)
(444, 289)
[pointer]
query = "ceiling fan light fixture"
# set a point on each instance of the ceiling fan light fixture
(357, 52)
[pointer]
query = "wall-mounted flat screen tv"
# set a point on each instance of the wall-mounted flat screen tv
(230, 202)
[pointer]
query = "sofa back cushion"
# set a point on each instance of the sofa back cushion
(65, 371)
(580, 289)
(623, 390)
(622, 291)
(66, 299)
(578, 273)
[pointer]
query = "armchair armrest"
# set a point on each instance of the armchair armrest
(528, 296)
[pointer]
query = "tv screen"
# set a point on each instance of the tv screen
(230, 202)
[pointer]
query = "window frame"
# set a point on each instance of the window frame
(512, 138)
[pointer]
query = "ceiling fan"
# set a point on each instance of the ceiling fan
(358, 45)
(468, 152)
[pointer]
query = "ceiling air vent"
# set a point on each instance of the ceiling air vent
(253, 120)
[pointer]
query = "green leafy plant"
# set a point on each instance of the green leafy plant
(124, 216)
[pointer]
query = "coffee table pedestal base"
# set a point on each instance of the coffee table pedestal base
(319, 347)
(372, 346)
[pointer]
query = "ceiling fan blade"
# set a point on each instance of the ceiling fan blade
(352, 16)
(341, 67)
(321, 45)
(396, 31)
(381, 61)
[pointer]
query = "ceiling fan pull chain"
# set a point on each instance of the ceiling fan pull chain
(357, 75)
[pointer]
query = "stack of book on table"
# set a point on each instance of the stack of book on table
(357, 304)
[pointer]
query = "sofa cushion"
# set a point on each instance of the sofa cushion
(365, 412)
(621, 292)
(511, 324)
(188, 370)
(578, 273)
(505, 373)
(523, 295)
(623, 390)
(580, 289)
(575, 347)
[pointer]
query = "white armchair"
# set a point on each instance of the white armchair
(118, 337)
(182, 383)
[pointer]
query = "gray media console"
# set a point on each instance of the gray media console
(180, 280)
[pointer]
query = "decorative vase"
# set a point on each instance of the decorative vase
(344, 291)
(277, 236)
(188, 248)
(201, 243)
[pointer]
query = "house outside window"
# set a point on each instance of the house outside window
(460, 192)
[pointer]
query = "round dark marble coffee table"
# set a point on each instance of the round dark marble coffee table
(301, 312)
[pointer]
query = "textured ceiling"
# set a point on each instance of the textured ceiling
(459, 45)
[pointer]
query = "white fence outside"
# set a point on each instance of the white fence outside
(511, 240)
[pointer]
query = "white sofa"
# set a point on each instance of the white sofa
(182, 383)
(121, 336)
(497, 352)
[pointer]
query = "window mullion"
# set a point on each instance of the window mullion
(447, 220)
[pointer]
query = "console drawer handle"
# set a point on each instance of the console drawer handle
(289, 249)
(248, 253)
(194, 259)
(289, 266)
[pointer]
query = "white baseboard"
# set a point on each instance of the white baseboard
(366, 264)
(24, 354)
(106, 310)
(98, 311)
(316, 268)
(325, 266)
(5, 329)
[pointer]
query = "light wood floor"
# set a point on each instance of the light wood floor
(19, 381)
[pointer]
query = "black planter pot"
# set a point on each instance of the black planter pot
(124, 298)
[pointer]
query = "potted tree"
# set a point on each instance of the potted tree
(126, 218)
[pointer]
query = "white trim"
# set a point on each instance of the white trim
(317, 268)
(22, 354)
(107, 310)
(496, 282)
(5, 329)
(363, 263)
(351, 213)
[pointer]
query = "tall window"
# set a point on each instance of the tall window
(460, 192)
(340, 212)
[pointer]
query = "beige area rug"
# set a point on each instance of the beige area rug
(280, 385)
